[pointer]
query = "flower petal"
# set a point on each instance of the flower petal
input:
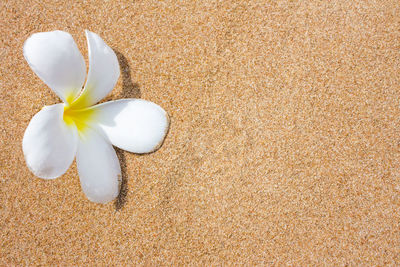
(98, 167)
(49, 145)
(56, 59)
(103, 71)
(134, 125)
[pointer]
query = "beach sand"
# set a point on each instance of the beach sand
(284, 145)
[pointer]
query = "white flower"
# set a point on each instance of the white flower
(78, 127)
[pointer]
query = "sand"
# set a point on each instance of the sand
(284, 146)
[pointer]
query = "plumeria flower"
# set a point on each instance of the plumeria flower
(79, 128)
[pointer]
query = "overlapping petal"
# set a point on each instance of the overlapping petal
(134, 125)
(103, 71)
(49, 145)
(98, 167)
(56, 59)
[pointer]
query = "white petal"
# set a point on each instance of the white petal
(103, 71)
(56, 59)
(49, 145)
(98, 167)
(134, 125)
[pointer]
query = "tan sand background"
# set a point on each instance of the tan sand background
(284, 146)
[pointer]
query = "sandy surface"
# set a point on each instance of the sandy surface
(284, 146)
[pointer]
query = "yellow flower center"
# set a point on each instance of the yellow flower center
(80, 117)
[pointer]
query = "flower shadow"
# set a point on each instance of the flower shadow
(123, 191)
(129, 90)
